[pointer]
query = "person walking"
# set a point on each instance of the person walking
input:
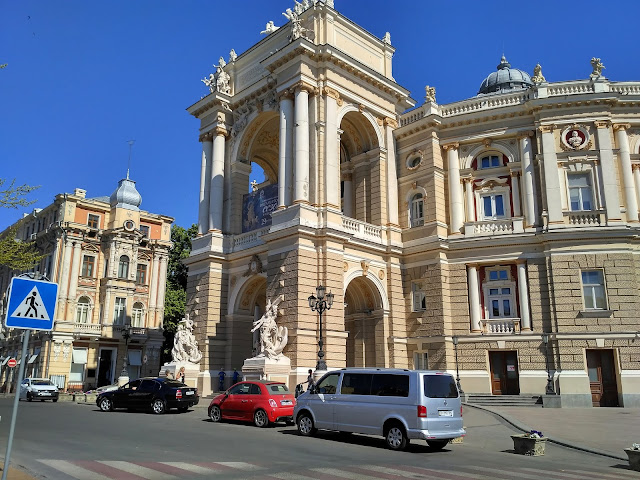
(236, 376)
(310, 381)
(221, 376)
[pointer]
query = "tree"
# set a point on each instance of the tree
(176, 292)
(15, 254)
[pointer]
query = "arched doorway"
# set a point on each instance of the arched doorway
(249, 306)
(364, 319)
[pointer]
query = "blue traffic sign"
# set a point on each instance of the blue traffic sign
(32, 304)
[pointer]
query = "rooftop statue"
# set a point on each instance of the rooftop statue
(273, 339)
(185, 345)
(430, 94)
(597, 66)
(537, 74)
(219, 82)
(269, 28)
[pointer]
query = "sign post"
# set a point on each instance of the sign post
(32, 305)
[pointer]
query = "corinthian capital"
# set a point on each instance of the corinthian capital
(451, 146)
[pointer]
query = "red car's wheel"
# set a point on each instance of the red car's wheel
(215, 414)
(260, 418)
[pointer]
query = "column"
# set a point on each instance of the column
(636, 178)
(75, 271)
(285, 165)
(106, 307)
(456, 212)
(474, 299)
(216, 199)
(627, 175)
(332, 149)
(468, 197)
(153, 284)
(301, 170)
(162, 277)
(515, 194)
(523, 294)
(392, 175)
(205, 185)
(347, 179)
(66, 264)
(551, 177)
(528, 181)
(608, 172)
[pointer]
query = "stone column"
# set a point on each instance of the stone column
(528, 181)
(636, 178)
(627, 175)
(608, 172)
(332, 149)
(75, 273)
(205, 184)
(106, 308)
(347, 179)
(285, 165)
(468, 197)
(66, 264)
(162, 281)
(216, 200)
(301, 170)
(456, 211)
(153, 285)
(523, 293)
(392, 175)
(551, 177)
(515, 194)
(474, 299)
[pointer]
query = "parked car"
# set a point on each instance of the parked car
(107, 388)
(398, 404)
(157, 394)
(38, 389)
(262, 402)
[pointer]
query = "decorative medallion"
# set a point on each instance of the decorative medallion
(345, 266)
(576, 137)
(255, 266)
(381, 274)
(129, 225)
(365, 267)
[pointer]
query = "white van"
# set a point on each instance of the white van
(397, 404)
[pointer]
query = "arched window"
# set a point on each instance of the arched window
(137, 315)
(123, 267)
(416, 213)
(82, 310)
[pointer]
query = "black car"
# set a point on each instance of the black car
(157, 394)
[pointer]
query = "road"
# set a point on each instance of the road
(64, 441)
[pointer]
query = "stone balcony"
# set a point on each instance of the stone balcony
(500, 325)
(362, 230)
(586, 218)
(504, 226)
(87, 329)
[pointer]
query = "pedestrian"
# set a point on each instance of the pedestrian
(236, 376)
(181, 374)
(221, 376)
(310, 381)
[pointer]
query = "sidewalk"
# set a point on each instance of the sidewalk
(606, 431)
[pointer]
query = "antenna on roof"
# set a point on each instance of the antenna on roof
(130, 142)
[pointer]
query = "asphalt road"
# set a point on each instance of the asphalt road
(66, 440)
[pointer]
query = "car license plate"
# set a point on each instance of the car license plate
(285, 402)
(445, 413)
(188, 392)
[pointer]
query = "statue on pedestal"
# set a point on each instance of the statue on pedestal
(185, 345)
(273, 338)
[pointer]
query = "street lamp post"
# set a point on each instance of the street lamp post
(455, 347)
(126, 334)
(320, 304)
(549, 389)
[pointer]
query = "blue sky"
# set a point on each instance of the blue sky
(84, 77)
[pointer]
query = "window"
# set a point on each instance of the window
(134, 362)
(500, 302)
(141, 274)
(418, 297)
(490, 161)
(137, 315)
(88, 262)
(120, 311)
(417, 210)
(440, 386)
(493, 206)
(499, 293)
(593, 290)
(93, 221)
(240, 389)
(390, 385)
(580, 191)
(356, 384)
(501, 274)
(82, 310)
(144, 229)
(123, 267)
(328, 384)
(420, 361)
(78, 363)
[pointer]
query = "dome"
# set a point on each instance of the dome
(126, 195)
(505, 79)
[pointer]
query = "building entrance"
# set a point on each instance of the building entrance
(105, 367)
(504, 373)
(602, 378)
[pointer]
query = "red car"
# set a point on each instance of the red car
(261, 402)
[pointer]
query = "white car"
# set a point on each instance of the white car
(38, 389)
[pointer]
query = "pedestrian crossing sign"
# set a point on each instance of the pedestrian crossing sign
(32, 304)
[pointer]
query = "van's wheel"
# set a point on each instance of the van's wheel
(396, 437)
(305, 425)
(260, 418)
(437, 445)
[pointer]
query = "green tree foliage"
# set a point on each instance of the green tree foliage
(15, 254)
(176, 292)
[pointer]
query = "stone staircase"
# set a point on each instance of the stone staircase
(488, 400)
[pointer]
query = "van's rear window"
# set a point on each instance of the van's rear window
(390, 385)
(440, 386)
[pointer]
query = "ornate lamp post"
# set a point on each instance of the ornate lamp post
(455, 346)
(319, 304)
(549, 389)
(126, 334)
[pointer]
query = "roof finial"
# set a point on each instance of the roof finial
(130, 142)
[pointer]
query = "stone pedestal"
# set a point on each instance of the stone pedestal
(263, 368)
(191, 371)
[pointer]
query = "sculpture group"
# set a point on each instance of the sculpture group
(185, 345)
(272, 338)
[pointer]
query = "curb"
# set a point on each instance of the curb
(525, 428)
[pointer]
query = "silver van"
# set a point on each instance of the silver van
(397, 404)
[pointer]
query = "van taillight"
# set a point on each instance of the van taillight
(422, 411)
(178, 393)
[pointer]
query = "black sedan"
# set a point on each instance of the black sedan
(157, 394)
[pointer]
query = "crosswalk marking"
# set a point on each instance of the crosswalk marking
(240, 465)
(70, 469)
(138, 470)
(337, 473)
(189, 467)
